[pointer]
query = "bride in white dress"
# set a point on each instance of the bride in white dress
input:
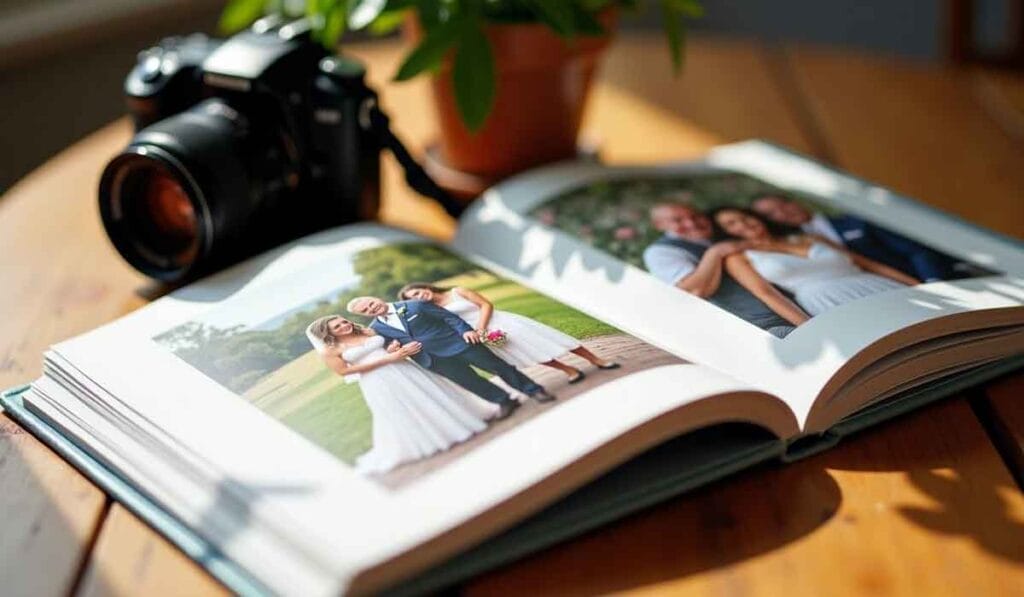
(415, 413)
(819, 274)
(529, 342)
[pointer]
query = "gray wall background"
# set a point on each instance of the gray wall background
(911, 28)
(55, 93)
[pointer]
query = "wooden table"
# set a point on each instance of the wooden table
(927, 505)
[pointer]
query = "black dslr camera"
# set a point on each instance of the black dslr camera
(243, 144)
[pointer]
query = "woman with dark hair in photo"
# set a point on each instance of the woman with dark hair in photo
(528, 342)
(415, 412)
(817, 272)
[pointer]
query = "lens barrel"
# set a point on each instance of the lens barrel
(153, 212)
(177, 198)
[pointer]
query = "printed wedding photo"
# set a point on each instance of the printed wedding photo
(405, 357)
(772, 257)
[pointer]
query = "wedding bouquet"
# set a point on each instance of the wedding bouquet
(495, 338)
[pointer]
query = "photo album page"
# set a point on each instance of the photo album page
(298, 386)
(755, 261)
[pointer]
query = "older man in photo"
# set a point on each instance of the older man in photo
(451, 348)
(686, 258)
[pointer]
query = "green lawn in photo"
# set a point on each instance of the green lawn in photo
(315, 402)
(336, 419)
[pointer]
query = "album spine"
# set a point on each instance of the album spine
(809, 445)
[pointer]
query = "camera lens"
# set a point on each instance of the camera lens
(188, 190)
(167, 209)
(152, 212)
(151, 217)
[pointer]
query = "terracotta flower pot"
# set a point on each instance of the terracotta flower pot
(542, 86)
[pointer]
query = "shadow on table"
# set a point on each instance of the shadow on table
(713, 527)
(946, 480)
(50, 517)
(963, 488)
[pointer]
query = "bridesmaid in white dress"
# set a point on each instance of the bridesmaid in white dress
(415, 413)
(819, 274)
(529, 342)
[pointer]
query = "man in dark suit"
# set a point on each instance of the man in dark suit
(861, 237)
(451, 348)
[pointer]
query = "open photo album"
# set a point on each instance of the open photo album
(365, 409)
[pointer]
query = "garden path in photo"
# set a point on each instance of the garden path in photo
(634, 355)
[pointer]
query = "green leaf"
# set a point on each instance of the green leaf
(388, 21)
(365, 12)
(239, 14)
(316, 9)
(431, 12)
(334, 26)
(430, 52)
(595, 5)
(556, 14)
(585, 23)
(630, 5)
(671, 21)
(689, 8)
(473, 76)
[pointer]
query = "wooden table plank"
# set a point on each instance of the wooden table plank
(1001, 94)
(1005, 401)
(156, 567)
(83, 284)
(917, 507)
(49, 516)
(50, 511)
(918, 129)
(727, 92)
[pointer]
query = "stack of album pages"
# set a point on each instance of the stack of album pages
(364, 409)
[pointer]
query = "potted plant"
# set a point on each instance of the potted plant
(510, 77)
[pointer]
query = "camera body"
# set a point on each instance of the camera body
(241, 145)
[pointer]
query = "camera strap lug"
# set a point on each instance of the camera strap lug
(377, 122)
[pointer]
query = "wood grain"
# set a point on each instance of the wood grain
(1001, 95)
(60, 274)
(922, 508)
(727, 92)
(155, 567)
(59, 279)
(917, 129)
(48, 516)
(1005, 411)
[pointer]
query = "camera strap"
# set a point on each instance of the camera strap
(415, 176)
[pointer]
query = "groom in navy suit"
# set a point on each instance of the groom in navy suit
(861, 237)
(451, 348)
